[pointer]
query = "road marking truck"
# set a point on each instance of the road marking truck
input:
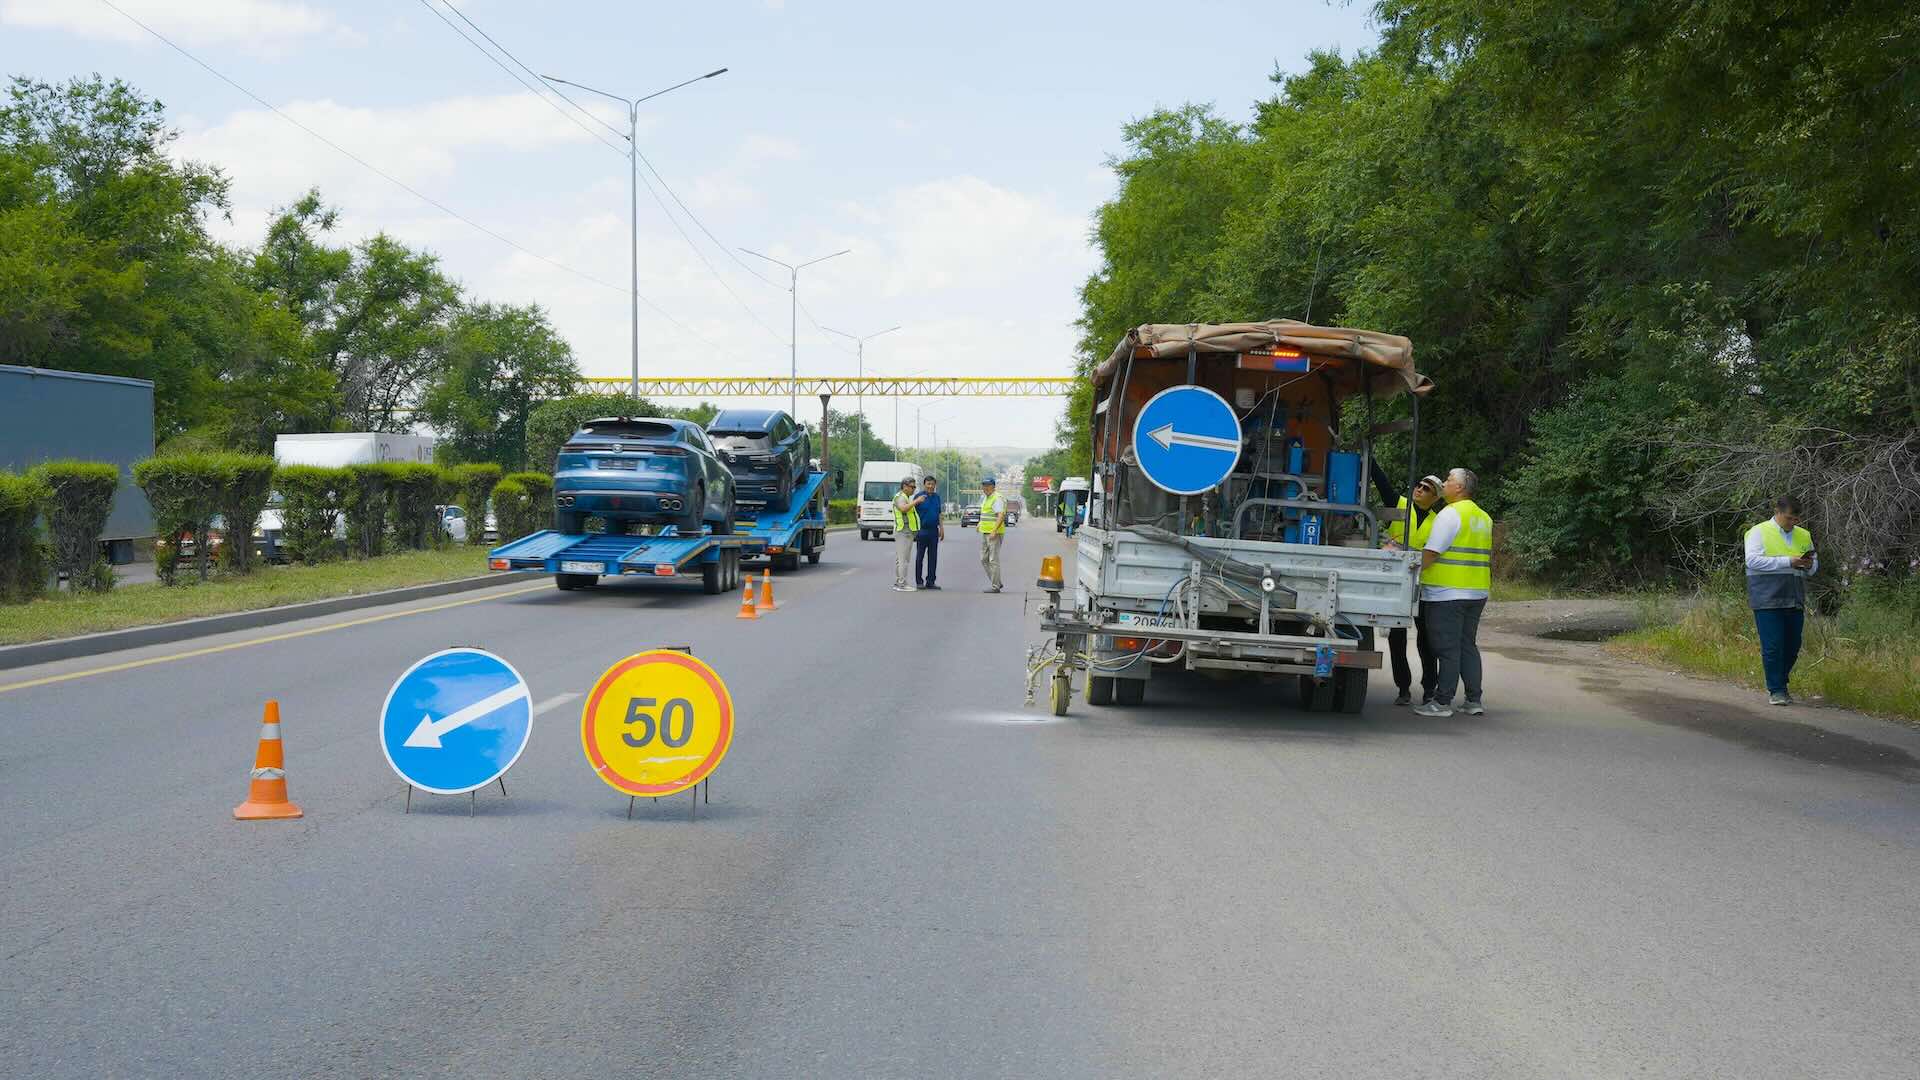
(1229, 529)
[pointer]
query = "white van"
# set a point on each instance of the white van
(879, 482)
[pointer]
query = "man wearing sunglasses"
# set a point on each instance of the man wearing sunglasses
(1420, 517)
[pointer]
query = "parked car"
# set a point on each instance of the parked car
(970, 516)
(453, 520)
(767, 452)
(641, 471)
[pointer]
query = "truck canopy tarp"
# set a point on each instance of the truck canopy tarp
(1389, 357)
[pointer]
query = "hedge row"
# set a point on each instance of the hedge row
(384, 506)
(23, 558)
(842, 511)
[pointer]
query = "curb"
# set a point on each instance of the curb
(45, 652)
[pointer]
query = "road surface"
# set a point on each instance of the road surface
(904, 872)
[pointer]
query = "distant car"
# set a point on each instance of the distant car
(970, 516)
(453, 521)
(767, 452)
(645, 471)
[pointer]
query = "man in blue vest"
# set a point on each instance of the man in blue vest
(1780, 558)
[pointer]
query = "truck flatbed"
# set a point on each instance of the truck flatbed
(578, 560)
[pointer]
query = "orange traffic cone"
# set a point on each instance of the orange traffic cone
(746, 602)
(267, 795)
(766, 591)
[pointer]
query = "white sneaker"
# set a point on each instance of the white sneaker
(1474, 708)
(1432, 708)
(903, 588)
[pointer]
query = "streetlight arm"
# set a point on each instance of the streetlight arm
(824, 258)
(678, 85)
(769, 258)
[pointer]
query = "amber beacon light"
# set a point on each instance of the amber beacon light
(1050, 576)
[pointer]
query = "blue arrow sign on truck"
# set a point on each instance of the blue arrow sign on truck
(456, 721)
(1187, 440)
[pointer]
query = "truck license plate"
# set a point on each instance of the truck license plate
(1131, 618)
(574, 566)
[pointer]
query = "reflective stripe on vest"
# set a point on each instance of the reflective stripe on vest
(1779, 588)
(1468, 563)
(989, 506)
(905, 521)
(1421, 530)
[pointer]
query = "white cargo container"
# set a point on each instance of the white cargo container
(334, 449)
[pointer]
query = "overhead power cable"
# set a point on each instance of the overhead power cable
(667, 213)
(403, 185)
(535, 88)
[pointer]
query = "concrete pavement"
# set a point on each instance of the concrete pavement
(905, 873)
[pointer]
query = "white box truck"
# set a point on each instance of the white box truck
(879, 482)
(333, 449)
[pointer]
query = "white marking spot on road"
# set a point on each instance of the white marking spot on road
(554, 702)
(850, 571)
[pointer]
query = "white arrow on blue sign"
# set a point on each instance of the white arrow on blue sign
(456, 721)
(1187, 440)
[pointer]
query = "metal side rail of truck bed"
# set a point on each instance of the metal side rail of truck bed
(579, 560)
(1143, 599)
(787, 536)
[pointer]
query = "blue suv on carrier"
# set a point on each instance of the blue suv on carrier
(647, 471)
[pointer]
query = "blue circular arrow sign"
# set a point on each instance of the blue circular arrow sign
(456, 721)
(1187, 439)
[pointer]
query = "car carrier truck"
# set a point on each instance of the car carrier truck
(1230, 530)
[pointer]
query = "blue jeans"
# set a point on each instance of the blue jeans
(1779, 630)
(926, 558)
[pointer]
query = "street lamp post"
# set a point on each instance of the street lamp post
(860, 394)
(633, 196)
(793, 313)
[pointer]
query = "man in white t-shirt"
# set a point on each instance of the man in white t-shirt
(1456, 574)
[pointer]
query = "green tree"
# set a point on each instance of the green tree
(500, 361)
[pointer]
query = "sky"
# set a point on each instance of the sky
(958, 150)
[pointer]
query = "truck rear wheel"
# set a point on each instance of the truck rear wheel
(1129, 691)
(713, 575)
(1350, 689)
(1100, 689)
(570, 582)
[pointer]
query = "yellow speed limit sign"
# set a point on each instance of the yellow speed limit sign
(656, 723)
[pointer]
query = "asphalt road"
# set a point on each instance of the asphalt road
(904, 872)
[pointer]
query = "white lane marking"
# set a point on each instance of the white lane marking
(850, 571)
(554, 702)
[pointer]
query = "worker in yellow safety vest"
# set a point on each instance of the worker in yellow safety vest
(993, 529)
(1425, 494)
(1779, 560)
(1456, 574)
(906, 523)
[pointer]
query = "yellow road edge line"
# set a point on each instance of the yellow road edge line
(268, 640)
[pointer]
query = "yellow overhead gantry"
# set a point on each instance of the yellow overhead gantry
(824, 386)
(773, 386)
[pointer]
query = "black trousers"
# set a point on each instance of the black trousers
(926, 559)
(1397, 651)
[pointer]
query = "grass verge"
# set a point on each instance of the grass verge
(1866, 658)
(67, 614)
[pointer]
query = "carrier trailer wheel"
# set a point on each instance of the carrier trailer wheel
(1061, 694)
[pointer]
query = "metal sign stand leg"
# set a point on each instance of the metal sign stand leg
(409, 808)
(631, 799)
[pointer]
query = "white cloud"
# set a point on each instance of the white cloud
(272, 161)
(260, 25)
